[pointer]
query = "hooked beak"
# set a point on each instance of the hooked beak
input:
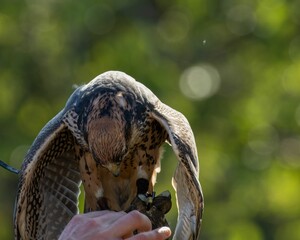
(114, 169)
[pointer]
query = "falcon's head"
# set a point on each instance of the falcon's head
(108, 128)
(107, 142)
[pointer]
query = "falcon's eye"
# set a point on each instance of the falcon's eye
(97, 159)
(118, 159)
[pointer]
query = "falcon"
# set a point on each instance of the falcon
(109, 138)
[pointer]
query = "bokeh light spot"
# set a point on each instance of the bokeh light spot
(290, 152)
(282, 192)
(271, 17)
(255, 161)
(199, 82)
(174, 26)
(263, 139)
(241, 19)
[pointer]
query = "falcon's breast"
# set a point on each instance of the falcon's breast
(124, 151)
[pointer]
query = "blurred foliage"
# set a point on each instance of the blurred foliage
(232, 67)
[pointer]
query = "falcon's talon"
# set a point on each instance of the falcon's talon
(149, 203)
(109, 136)
(154, 208)
(143, 198)
(165, 194)
(147, 199)
(153, 194)
(150, 195)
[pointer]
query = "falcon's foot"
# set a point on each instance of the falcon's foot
(154, 207)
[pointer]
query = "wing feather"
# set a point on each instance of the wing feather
(185, 181)
(49, 183)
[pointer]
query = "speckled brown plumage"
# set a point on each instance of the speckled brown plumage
(109, 136)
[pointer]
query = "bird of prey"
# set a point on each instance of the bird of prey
(108, 137)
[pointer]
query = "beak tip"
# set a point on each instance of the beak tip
(114, 169)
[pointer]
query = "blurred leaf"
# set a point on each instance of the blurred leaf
(232, 67)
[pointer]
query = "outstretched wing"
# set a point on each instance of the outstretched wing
(185, 181)
(49, 184)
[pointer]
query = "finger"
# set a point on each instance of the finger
(130, 222)
(104, 213)
(157, 234)
(95, 213)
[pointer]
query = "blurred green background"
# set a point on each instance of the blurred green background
(231, 66)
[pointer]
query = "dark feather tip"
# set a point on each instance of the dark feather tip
(9, 168)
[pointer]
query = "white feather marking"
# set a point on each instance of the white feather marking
(121, 100)
(196, 172)
(99, 193)
(142, 173)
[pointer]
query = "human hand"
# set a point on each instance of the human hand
(113, 226)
